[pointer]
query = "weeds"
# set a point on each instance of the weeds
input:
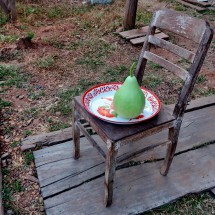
(55, 126)
(4, 104)
(28, 158)
(26, 133)
(9, 76)
(45, 63)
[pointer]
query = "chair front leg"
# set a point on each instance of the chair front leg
(171, 148)
(75, 133)
(110, 168)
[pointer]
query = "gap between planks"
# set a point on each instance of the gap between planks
(57, 171)
(56, 137)
(141, 188)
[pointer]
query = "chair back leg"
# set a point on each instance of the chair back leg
(171, 148)
(75, 133)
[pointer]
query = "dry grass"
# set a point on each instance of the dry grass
(76, 47)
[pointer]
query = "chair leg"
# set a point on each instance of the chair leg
(110, 168)
(75, 134)
(173, 137)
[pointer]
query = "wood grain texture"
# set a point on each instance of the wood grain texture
(180, 23)
(130, 14)
(55, 137)
(141, 40)
(57, 173)
(188, 55)
(1, 197)
(47, 139)
(134, 33)
(140, 188)
(115, 132)
(190, 5)
(180, 72)
(204, 4)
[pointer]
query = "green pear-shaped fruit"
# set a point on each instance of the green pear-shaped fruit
(129, 100)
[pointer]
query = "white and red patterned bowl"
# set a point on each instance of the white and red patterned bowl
(98, 101)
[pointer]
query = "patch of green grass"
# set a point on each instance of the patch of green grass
(55, 126)
(6, 189)
(9, 76)
(144, 17)
(35, 95)
(3, 20)
(45, 63)
(8, 38)
(152, 81)
(66, 96)
(95, 51)
(201, 79)
(28, 158)
(116, 74)
(4, 104)
(180, 7)
(31, 113)
(14, 144)
(27, 133)
(193, 204)
(17, 186)
(154, 65)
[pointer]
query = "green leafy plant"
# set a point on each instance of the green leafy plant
(28, 158)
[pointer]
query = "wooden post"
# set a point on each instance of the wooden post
(8, 8)
(130, 14)
(1, 203)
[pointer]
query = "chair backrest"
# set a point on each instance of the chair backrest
(196, 30)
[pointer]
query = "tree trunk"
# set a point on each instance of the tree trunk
(8, 8)
(1, 203)
(130, 14)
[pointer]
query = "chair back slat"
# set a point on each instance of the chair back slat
(179, 23)
(181, 52)
(188, 27)
(181, 73)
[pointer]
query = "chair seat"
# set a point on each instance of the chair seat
(115, 132)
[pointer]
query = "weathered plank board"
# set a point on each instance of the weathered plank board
(195, 7)
(64, 135)
(140, 188)
(204, 4)
(1, 203)
(58, 159)
(47, 139)
(131, 34)
(141, 40)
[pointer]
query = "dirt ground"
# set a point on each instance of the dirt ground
(74, 47)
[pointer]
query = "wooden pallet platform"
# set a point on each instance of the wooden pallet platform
(138, 36)
(76, 187)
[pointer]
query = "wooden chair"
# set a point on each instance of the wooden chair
(115, 136)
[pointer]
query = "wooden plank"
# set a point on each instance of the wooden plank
(184, 53)
(1, 197)
(140, 188)
(173, 21)
(131, 34)
(55, 137)
(181, 73)
(141, 40)
(46, 139)
(195, 7)
(54, 180)
(189, 136)
(203, 4)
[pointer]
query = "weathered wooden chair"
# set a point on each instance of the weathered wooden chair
(115, 135)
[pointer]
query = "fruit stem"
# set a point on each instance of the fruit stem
(132, 69)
